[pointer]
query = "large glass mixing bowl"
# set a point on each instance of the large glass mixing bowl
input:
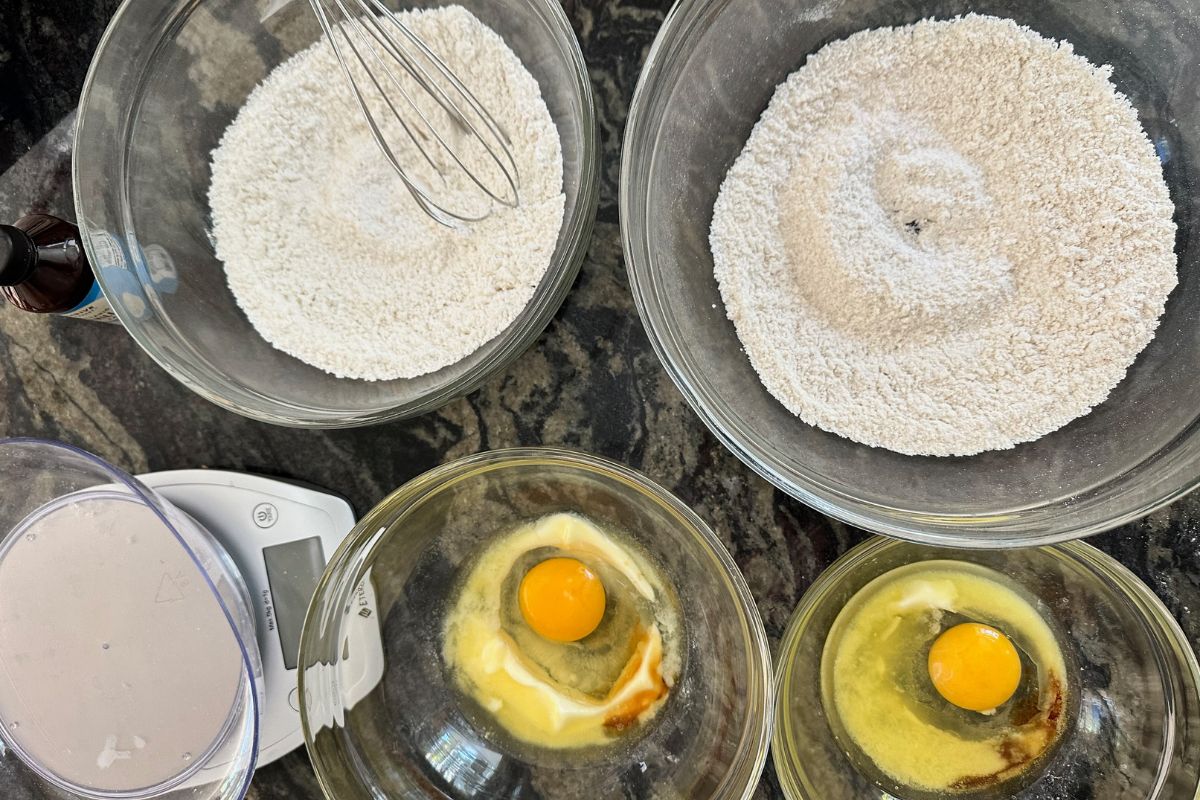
(707, 80)
(1133, 720)
(167, 79)
(392, 723)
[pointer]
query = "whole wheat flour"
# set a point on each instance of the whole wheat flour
(945, 238)
(328, 255)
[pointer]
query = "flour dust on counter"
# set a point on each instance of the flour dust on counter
(325, 250)
(945, 238)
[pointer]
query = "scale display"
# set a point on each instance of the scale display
(293, 569)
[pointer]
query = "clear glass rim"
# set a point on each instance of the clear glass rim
(1173, 651)
(206, 380)
(120, 477)
(321, 634)
(1028, 525)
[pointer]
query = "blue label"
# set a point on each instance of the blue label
(93, 295)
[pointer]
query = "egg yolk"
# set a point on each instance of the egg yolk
(974, 666)
(561, 599)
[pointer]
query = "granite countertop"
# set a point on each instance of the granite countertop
(590, 382)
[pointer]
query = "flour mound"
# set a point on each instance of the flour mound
(945, 238)
(325, 250)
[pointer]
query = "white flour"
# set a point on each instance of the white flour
(945, 238)
(325, 251)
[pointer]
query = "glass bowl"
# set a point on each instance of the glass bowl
(403, 732)
(1133, 727)
(708, 78)
(167, 79)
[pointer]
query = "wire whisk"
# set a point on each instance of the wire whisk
(394, 75)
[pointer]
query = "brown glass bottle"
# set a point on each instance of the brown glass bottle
(43, 268)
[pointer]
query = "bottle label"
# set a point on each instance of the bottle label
(94, 307)
(134, 276)
(107, 251)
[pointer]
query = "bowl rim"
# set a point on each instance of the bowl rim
(1173, 647)
(1029, 524)
(344, 571)
(205, 379)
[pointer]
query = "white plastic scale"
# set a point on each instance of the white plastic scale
(280, 536)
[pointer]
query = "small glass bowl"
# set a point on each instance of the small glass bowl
(167, 79)
(1133, 729)
(403, 732)
(709, 76)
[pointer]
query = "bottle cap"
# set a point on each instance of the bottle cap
(18, 255)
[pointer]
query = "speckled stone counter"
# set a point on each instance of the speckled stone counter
(590, 382)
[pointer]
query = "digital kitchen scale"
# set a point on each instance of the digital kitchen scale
(280, 536)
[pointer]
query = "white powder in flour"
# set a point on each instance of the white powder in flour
(329, 256)
(945, 238)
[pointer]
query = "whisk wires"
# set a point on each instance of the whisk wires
(367, 33)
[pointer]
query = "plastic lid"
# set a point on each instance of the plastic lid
(129, 667)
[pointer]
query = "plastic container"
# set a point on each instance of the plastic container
(1133, 696)
(130, 666)
(708, 78)
(168, 78)
(410, 735)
